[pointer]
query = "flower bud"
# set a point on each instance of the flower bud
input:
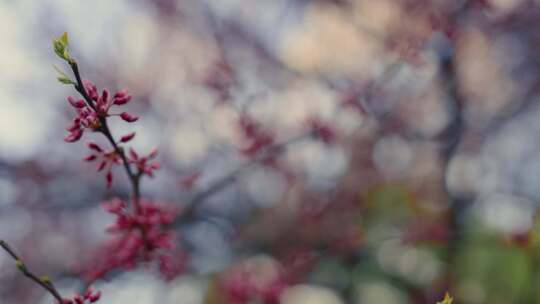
(93, 146)
(74, 136)
(127, 137)
(128, 117)
(121, 97)
(76, 103)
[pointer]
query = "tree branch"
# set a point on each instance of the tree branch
(44, 282)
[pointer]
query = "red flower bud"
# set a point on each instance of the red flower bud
(102, 165)
(133, 155)
(128, 117)
(76, 103)
(75, 125)
(90, 158)
(74, 136)
(78, 299)
(127, 137)
(93, 146)
(109, 178)
(94, 297)
(122, 97)
(91, 90)
(105, 95)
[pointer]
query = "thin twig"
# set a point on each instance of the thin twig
(43, 282)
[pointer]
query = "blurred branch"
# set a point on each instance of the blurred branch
(225, 181)
(452, 136)
(43, 282)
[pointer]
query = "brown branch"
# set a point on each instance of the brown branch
(44, 282)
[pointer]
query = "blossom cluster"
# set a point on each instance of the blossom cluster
(145, 164)
(106, 158)
(139, 237)
(140, 231)
(90, 113)
(90, 296)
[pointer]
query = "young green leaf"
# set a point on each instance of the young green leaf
(62, 77)
(60, 46)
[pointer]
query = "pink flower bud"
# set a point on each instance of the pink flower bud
(91, 90)
(75, 125)
(102, 165)
(128, 117)
(93, 146)
(109, 178)
(76, 103)
(78, 299)
(133, 155)
(122, 97)
(74, 136)
(104, 95)
(94, 297)
(90, 158)
(127, 137)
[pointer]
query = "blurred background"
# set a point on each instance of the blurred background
(403, 156)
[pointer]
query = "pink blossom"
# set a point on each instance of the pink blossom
(90, 116)
(140, 237)
(107, 159)
(145, 164)
(90, 296)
